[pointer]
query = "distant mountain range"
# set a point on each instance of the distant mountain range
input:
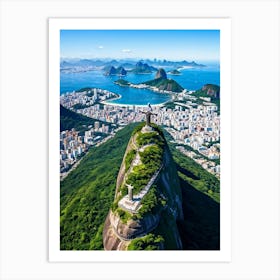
(177, 64)
(138, 67)
(143, 68)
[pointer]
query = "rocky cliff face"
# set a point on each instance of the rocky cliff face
(211, 90)
(121, 71)
(161, 74)
(151, 224)
(117, 235)
(116, 71)
(111, 71)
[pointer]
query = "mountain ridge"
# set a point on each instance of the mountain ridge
(148, 166)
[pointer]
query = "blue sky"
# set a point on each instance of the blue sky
(198, 45)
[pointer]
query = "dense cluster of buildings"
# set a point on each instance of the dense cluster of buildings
(191, 123)
(208, 165)
(86, 98)
(74, 144)
(197, 127)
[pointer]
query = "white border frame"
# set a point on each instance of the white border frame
(224, 254)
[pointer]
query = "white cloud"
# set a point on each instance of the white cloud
(100, 47)
(126, 51)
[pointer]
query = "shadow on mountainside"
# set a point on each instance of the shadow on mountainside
(200, 229)
(186, 172)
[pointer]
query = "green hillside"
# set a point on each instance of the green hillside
(209, 90)
(165, 84)
(194, 174)
(70, 119)
(122, 82)
(88, 192)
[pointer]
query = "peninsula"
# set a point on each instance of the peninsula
(160, 84)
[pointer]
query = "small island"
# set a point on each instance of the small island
(122, 83)
(175, 72)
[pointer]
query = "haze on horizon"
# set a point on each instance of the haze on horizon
(197, 45)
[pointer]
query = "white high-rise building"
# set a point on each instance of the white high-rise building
(95, 93)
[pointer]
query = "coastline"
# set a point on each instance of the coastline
(174, 74)
(185, 67)
(119, 96)
(131, 105)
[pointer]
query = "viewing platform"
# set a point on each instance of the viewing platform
(132, 203)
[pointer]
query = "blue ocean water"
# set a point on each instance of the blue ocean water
(191, 79)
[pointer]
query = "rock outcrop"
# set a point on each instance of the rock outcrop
(112, 71)
(121, 71)
(161, 74)
(116, 71)
(211, 90)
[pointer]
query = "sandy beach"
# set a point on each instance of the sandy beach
(131, 105)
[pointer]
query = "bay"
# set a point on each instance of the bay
(190, 78)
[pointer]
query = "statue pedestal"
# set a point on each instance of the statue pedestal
(147, 128)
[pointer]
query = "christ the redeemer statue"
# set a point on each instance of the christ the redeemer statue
(148, 115)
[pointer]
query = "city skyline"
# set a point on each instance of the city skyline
(198, 45)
